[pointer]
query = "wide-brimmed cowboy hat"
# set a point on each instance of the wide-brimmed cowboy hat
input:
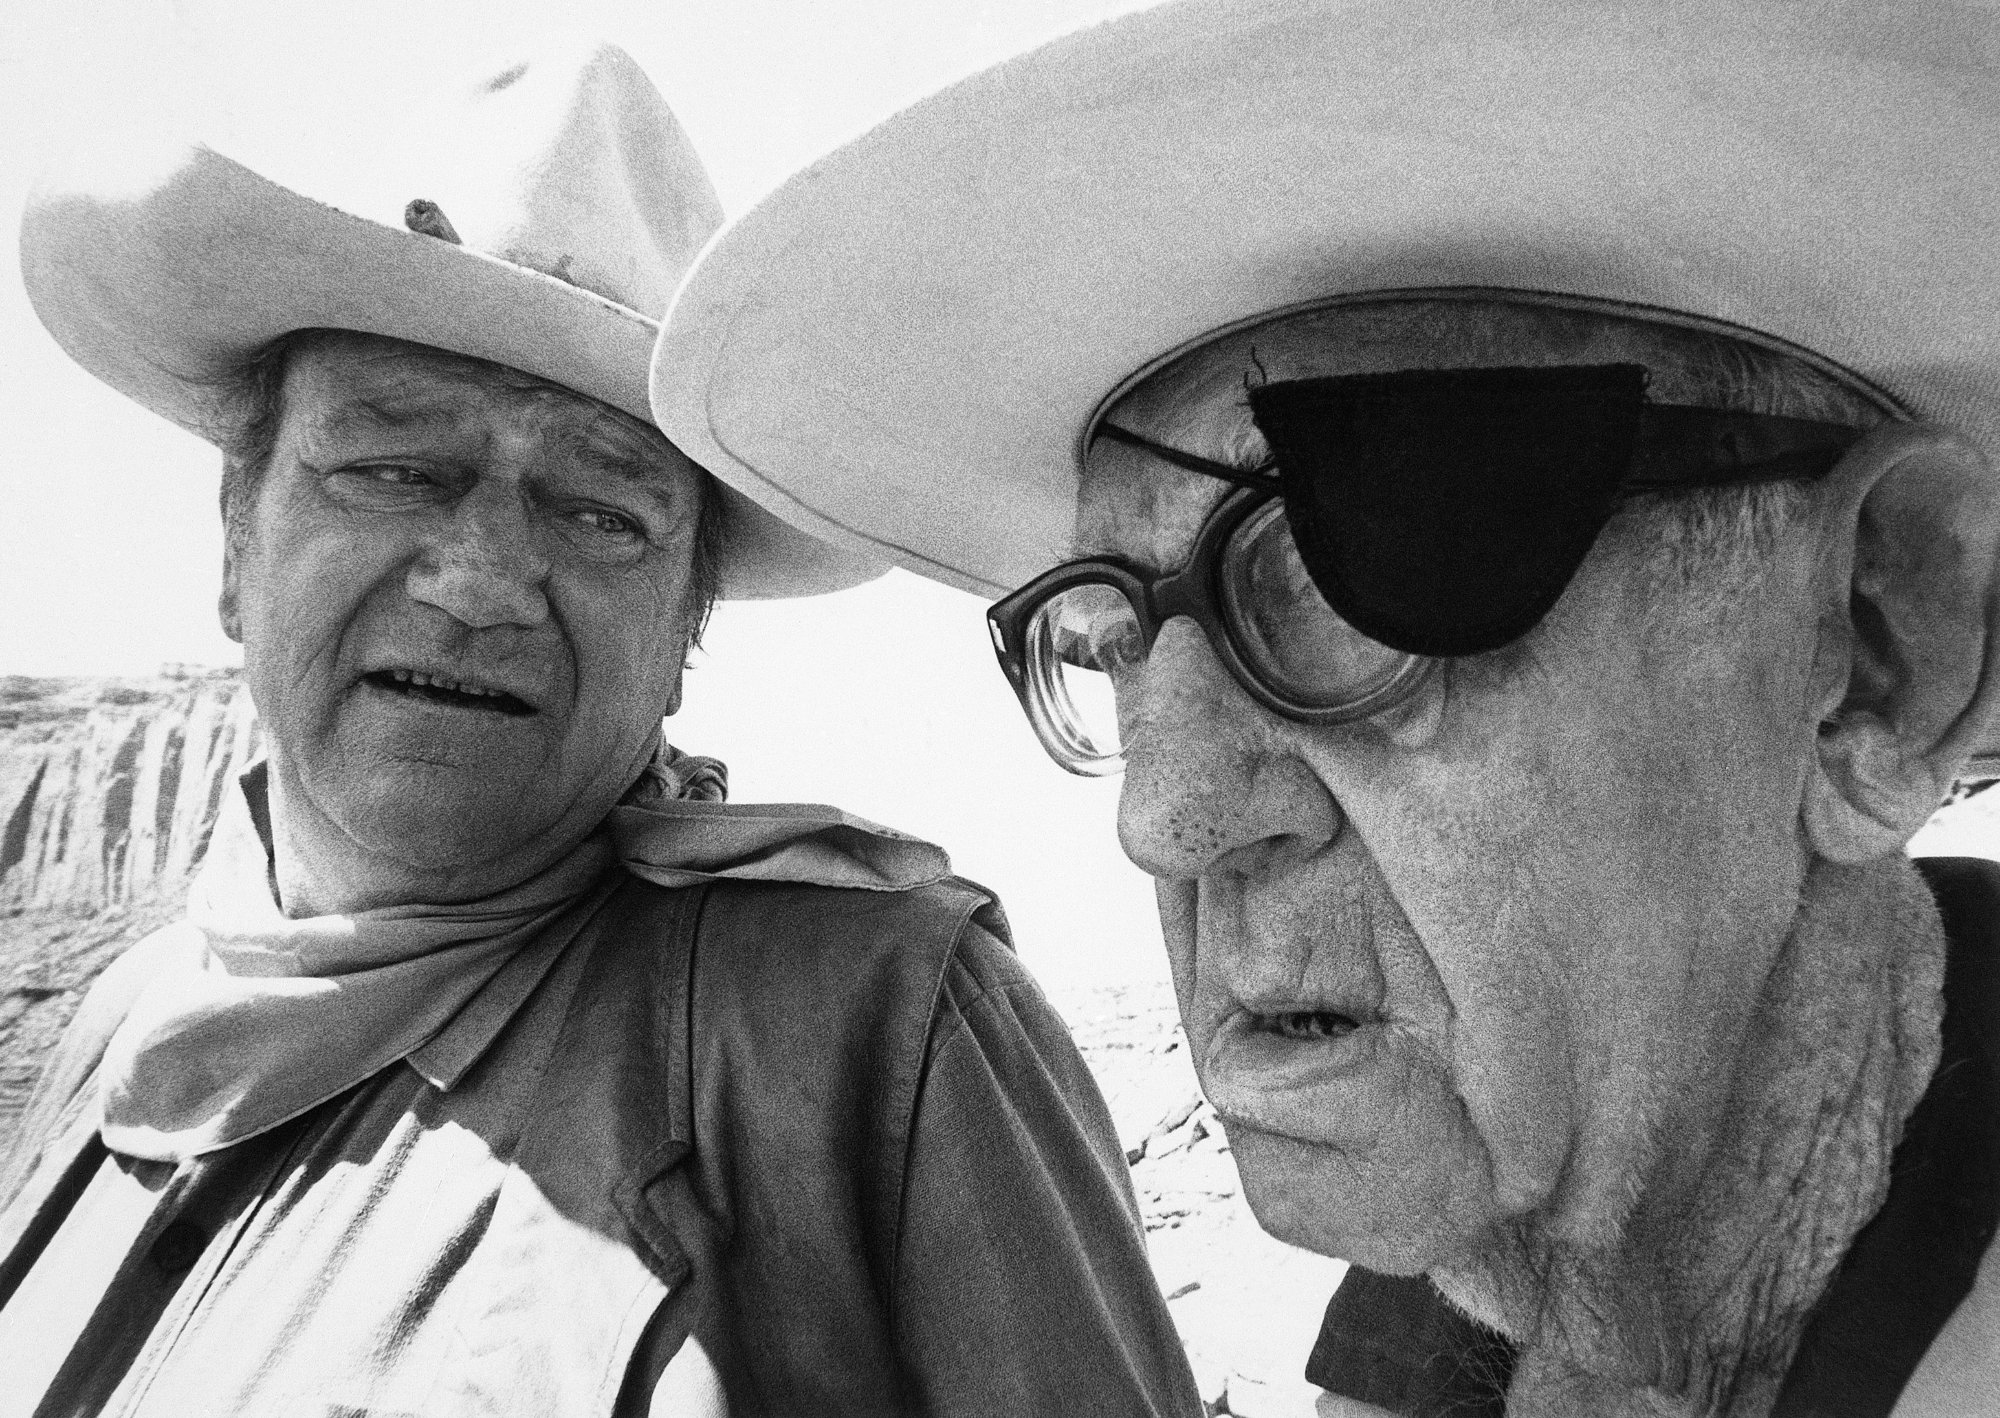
(556, 205)
(902, 347)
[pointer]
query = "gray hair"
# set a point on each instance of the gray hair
(248, 408)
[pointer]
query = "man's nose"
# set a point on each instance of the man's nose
(484, 567)
(1210, 783)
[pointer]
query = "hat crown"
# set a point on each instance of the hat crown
(591, 179)
(571, 205)
(569, 163)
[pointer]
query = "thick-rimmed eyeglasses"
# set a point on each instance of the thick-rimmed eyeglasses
(1067, 638)
(1070, 639)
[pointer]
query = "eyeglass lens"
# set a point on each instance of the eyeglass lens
(1297, 644)
(1081, 641)
(1086, 638)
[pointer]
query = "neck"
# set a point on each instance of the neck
(321, 869)
(1695, 1307)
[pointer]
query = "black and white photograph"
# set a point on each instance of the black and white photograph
(1008, 709)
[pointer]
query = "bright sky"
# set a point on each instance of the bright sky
(884, 699)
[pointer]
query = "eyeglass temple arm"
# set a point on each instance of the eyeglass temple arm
(1263, 475)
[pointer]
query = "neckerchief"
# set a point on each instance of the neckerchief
(254, 1017)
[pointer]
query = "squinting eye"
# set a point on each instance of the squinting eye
(396, 474)
(609, 523)
(383, 486)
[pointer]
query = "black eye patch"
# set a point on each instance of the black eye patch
(1443, 512)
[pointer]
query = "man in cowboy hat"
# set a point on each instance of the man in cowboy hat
(1511, 486)
(499, 1066)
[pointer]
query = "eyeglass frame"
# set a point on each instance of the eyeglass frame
(1192, 589)
(1009, 617)
(1187, 591)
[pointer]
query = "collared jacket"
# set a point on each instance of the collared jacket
(749, 1148)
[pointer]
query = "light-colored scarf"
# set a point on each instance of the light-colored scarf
(253, 1017)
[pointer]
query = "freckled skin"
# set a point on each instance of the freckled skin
(424, 510)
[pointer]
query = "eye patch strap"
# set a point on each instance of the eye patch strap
(1680, 446)
(1443, 512)
(1685, 447)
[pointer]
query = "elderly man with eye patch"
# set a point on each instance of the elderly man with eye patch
(1511, 486)
(499, 1066)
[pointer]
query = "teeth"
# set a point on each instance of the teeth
(440, 682)
(1314, 1024)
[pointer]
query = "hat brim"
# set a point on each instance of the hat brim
(159, 291)
(902, 346)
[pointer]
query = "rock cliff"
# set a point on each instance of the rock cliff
(109, 788)
(108, 791)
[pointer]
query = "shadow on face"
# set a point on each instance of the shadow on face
(464, 596)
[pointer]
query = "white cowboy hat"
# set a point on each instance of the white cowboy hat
(902, 347)
(570, 202)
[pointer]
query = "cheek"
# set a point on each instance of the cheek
(1497, 934)
(1582, 857)
(300, 588)
(1424, 1196)
(629, 639)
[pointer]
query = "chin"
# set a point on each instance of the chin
(1404, 1207)
(441, 821)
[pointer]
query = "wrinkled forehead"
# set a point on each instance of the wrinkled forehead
(1131, 504)
(340, 382)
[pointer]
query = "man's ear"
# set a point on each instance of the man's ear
(1905, 677)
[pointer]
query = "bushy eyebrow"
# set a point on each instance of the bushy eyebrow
(361, 412)
(624, 458)
(619, 455)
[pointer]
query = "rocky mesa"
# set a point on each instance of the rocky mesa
(108, 791)
(109, 788)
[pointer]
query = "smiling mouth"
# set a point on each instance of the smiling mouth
(1305, 1024)
(458, 694)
